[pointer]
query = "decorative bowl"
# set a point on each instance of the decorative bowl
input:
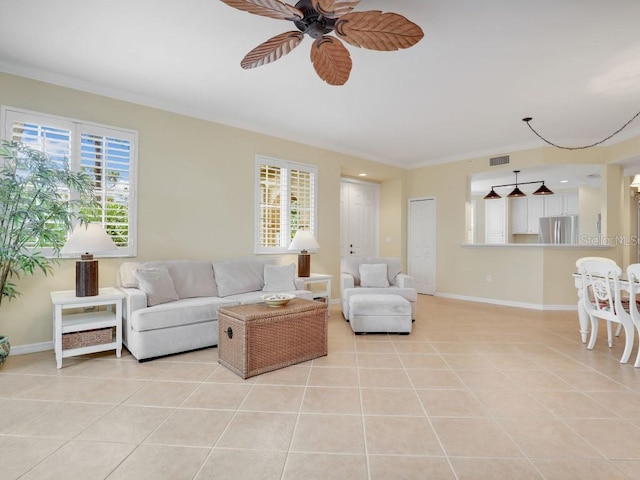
(277, 299)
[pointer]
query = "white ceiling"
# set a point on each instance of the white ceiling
(573, 65)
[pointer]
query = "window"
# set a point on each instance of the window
(286, 202)
(107, 154)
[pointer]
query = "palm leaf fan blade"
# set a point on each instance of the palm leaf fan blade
(272, 50)
(334, 8)
(267, 8)
(331, 60)
(378, 31)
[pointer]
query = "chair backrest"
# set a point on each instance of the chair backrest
(351, 265)
(633, 276)
(601, 288)
(580, 261)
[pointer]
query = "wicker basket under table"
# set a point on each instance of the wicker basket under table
(255, 339)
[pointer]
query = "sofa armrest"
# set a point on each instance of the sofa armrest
(134, 299)
(404, 281)
(346, 281)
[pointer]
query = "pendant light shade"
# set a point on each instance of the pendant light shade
(516, 192)
(543, 190)
(491, 195)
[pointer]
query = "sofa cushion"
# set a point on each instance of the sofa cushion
(174, 314)
(240, 276)
(373, 275)
(157, 284)
(279, 278)
(191, 278)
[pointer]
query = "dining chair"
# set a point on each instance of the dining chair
(579, 263)
(602, 300)
(633, 276)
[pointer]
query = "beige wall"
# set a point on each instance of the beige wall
(195, 193)
(392, 218)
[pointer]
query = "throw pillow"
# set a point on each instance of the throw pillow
(157, 284)
(279, 278)
(373, 275)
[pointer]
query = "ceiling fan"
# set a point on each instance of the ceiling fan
(372, 29)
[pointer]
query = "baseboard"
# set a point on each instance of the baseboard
(509, 303)
(31, 348)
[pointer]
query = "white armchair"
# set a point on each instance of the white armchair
(396, 283)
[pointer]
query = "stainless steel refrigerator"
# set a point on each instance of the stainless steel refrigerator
(558, 229)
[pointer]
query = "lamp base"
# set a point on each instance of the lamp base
(86, 278)
(304, 264)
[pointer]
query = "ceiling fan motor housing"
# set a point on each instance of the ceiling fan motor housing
(313, 24)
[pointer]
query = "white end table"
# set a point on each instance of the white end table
(317, 278)
(87, 320)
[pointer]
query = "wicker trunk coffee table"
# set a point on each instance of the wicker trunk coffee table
(255, 339)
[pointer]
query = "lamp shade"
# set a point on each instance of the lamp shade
(88, 238)
(491, 195)
(516, 192)
(636, 181)
(543, 190)
(303, 240)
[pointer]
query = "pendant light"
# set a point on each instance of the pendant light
(543, 190)
(516, 192)
(491, 195)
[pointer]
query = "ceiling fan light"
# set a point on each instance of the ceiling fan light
(491, 195)
(516, 192)
(543, 190)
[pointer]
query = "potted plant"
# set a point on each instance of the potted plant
(36, 211)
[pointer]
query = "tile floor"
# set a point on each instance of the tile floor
(475, 392)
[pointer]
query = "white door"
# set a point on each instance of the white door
(359, 211)
(422, 244)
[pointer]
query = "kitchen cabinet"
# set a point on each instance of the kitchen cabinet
(561, 204)
(525, 214)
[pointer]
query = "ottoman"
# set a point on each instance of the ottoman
(379, 313)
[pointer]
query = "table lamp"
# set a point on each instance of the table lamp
(87, 239)
(304, 241)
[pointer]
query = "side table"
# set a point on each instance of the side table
(317, 279)
(85, 321)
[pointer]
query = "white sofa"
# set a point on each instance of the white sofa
(157, 323)
(397, 282)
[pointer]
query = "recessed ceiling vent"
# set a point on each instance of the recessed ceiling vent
(503, 160)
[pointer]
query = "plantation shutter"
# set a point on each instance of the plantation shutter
(106, 156)
(286, 195)
(105, 153)
(40, 133)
